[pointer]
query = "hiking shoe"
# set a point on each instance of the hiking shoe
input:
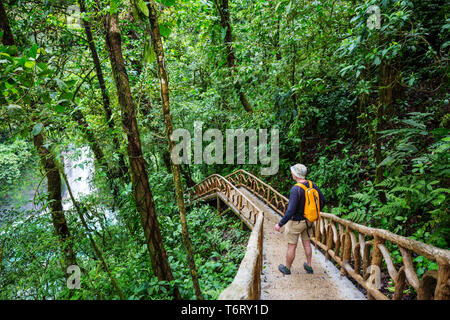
(284, 269)
(308, 268)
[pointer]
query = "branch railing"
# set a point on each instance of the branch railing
(269, 195)
(246, 284)
(217, 183)
(364, 253)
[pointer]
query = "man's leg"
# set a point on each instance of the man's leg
(308, 251)
(290, 255)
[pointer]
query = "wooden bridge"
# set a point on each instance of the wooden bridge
(361, 253)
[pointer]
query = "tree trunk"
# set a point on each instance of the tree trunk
(96, 149)
(1, 255)
(278, 51)
(8, 38)
(122, 170)
(186, 172)
(55, 200)
(384, 106)
(225, 22)
(158, 46)
(293, 82)
(139, 178)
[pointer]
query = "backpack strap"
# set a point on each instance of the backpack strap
(305, 187)
(301, 185)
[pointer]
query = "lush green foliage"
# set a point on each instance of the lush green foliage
(13, 159)
(366, 110)
(33, 266)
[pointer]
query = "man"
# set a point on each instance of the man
(296, 224)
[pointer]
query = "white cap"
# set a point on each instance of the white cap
(299, 170)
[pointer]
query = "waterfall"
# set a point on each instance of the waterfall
(78, 170)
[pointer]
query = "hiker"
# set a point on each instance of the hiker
(296, 224)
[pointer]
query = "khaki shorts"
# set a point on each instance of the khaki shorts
(294, 229)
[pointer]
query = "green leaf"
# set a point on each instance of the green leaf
(149, 53)
(164, 30)
(407, 148)
(386, 161)
(277, 6)
(168, 3)
(59, 108)
(224, 32)
(37, 129)
(33, 51)
(377, 61)
(414, 124)
(61, 84)
(442, 147)
(30, 64)
(143, 7)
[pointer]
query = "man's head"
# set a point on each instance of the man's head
(299, 171)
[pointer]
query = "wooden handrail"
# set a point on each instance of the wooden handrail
(343, 246)
(247, 282)
(217, 183)
(365, 259)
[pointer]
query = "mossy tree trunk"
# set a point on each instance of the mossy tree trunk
(139, 177)
(51, 171)
(121, 171)
(8, 38)
(225, 22)
(175, 168)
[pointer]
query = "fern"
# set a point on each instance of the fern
(363, 197)
(439, 191)
(406, 190)
(388, 183)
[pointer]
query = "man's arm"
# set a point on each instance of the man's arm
(292, 206)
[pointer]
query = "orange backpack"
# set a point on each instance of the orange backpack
(312, 203)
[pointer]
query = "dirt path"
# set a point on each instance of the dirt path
(326, 282)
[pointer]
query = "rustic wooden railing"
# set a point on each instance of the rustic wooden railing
(239, 202)
(364, 253)
(246, 284)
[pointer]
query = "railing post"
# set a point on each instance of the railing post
(317, 234)
(347, 252)
(357, 258)
(375, 267)
(442, 291)
(329, 241)
(338, 235)
(337, 244)
(399, 284)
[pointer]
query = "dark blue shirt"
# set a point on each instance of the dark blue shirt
(296, 205)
